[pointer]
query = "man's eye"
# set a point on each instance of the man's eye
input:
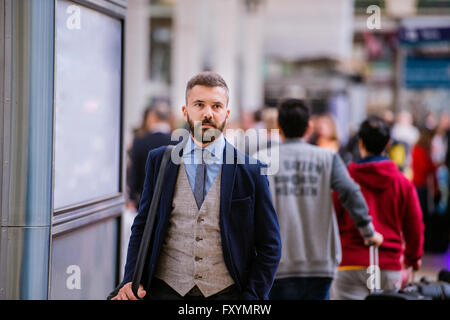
(217, 106)
(199, 104)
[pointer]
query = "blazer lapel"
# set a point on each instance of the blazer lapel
(170, 180)
(227, 181)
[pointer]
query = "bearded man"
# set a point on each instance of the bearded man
(216, 233)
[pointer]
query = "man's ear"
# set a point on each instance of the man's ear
(361, 146)
(184, 110)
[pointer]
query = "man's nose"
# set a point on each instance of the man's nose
(207, 112)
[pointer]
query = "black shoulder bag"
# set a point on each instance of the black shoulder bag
(147, 234)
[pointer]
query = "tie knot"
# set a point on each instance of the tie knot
(203, 156)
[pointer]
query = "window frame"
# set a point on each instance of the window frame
(63, 218)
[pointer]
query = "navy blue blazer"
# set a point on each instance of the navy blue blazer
(251, 242)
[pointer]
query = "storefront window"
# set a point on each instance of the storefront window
(87, 104)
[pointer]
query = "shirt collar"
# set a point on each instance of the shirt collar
(293, 140)
(215, 148)
(373, 159)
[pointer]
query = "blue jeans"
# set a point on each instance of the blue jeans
(296, 288)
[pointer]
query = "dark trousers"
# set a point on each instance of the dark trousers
(159, 290)
(422, 194)
(297, 288)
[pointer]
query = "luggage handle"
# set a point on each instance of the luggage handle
(374, 282)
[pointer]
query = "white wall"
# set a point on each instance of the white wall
(137, 55)
(296, 29)
(205, 36)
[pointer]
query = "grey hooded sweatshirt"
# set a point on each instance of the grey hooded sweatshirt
(301, 189)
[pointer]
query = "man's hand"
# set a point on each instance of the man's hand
(126, 293)
(375, 240)
(415, 266)
(130, 205)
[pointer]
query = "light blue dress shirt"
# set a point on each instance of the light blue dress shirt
(191, 158)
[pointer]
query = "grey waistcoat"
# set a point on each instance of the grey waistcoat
(192, 251)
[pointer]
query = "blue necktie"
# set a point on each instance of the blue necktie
(199, 186)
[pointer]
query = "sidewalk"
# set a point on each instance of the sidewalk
(432, 264)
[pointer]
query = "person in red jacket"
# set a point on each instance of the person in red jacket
(396, 214)
(424, 171)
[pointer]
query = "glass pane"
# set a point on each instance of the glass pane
(160, 57)
(87, 104)
(84, 262)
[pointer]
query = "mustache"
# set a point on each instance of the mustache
(205, 134)
(208, 121)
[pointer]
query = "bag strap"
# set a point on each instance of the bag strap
(146, 236)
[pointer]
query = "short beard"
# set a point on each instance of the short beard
(205, 135)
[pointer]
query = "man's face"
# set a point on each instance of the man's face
(206, 112)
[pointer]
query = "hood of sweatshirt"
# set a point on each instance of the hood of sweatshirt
(374, 175)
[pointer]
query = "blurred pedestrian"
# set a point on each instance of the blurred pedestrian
(431, 121)
(447, 155)
(262, 134)
(404, 129)
(438, 155)
(439, 229)
(424, 172)
(395, 211)
(404, 135)
(426, 182)
(154, 132)
(270, 119)
(447, 163)
(325, 135)
(350, 152)
(439, 141)
(388, 116)
(397, 150)
(301, 192)
(148, 118)
(257, 120)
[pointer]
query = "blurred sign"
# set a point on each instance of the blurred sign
(424, 30)
(412, 36)
(401, 8)
(295, 30)
(424, 72)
